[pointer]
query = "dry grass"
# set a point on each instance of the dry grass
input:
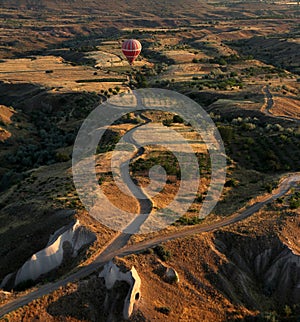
(64, 77)
(184, 56)
(6, 114)
(286, 106)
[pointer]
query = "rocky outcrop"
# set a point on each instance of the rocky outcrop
(112, 273)
(281, 273)
(166, 272)
(68, 240)
(257, 268)
(171, 276)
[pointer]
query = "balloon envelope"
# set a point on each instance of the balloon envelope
(131, 48)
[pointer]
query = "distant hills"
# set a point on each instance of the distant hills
(164, 7)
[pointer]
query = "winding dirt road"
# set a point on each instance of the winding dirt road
(269, 104)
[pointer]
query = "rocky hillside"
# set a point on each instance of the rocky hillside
(245, 272)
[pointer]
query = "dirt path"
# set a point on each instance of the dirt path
(269, 104)
(269, 101)
(145, 203)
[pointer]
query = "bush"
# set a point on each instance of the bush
(162, 253)
(230, 183)
(189, 221)
(62, 157)
(199, 198)
(164, 310)
(178, 119)
(294, 202)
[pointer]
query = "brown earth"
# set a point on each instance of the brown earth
(285, 106)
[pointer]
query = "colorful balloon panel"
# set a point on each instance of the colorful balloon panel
(131, 48)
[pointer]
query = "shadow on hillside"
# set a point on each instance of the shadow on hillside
(32, 233)
(258, 270)
(88, 302)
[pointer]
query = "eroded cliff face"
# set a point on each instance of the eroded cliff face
(111, 274)
(66, 241)
(257, 268)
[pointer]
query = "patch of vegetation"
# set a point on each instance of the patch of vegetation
(162, 253)
(48, 136)
(287, 313)
(101, 80)
(154, 55)
(165, 158)
(253, 144)
(164, 310)
(295, 200)
(108, 141)
(270, 186)
(231, 183)
(189, 221)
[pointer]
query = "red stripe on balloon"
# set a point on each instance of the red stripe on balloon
(131, 49)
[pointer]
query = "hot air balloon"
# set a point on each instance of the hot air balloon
(131, 48)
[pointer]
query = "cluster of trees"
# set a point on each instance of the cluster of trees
(258, 145)
(263, 70)
(41, 150)
(47, 136)
(110, 91)
(225, 60)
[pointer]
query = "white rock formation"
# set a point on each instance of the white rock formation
(171, 275)
(51, 257)
(112, 273)
(167, 272)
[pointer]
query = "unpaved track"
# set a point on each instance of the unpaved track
(117, 248)
(269, 104)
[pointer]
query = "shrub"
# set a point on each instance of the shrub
(294, 202)
(230, 183)
(199, 198)
(178, 119)
(189, 221)
(162, 253)
(287, 311)
(62, 157)
(167, 122)
(164, 310)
